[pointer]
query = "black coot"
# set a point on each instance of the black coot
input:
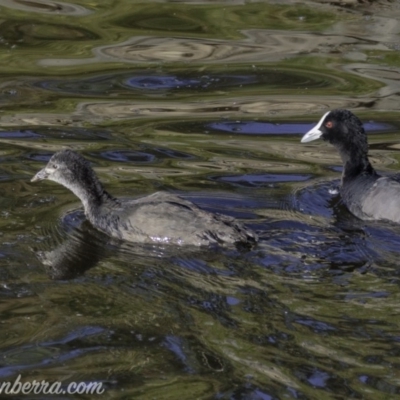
(367, 194)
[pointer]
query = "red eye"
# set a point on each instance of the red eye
(329, 124)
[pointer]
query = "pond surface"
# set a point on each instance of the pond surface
(207, 99)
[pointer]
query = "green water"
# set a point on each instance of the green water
(208, 100)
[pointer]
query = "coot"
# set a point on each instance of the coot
(367, 194)
(161, 217)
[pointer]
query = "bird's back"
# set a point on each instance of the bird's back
(167, 218)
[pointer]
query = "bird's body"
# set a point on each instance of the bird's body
(367, 194)
(159, 218)
(165, 218)
(373, 198)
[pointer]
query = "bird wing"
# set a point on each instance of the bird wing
(382, 201)
(167, 218)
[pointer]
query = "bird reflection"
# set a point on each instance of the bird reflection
(77, 254)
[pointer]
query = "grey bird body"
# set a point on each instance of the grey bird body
(159, 218)
(380, 199)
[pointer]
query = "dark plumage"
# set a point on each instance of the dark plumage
(160, 217)
(367, 194)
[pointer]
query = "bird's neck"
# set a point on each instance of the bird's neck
(92, 196)
(355, 162)
(93, 203)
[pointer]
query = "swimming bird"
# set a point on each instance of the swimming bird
(366, 194)
(158, 218)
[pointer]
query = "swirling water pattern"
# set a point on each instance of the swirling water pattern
(207, 99)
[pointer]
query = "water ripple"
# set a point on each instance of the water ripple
(260, 46)
(185, 81)
(46, 7)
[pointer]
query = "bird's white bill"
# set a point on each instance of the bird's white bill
(314, 133)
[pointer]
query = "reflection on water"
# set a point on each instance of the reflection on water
(45, 7)
(208, 100)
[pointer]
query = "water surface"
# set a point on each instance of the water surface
(207, 100)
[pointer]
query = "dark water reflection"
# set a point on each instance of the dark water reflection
(208, 101)
(186, 82)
